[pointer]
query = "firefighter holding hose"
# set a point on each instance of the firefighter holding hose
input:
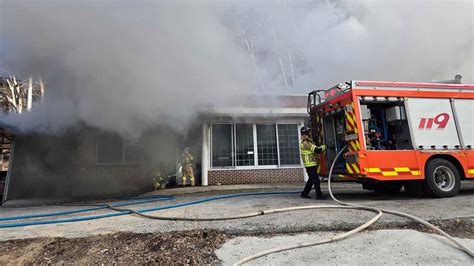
(310, 155)
(187, 167)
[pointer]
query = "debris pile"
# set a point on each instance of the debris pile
(186, 247)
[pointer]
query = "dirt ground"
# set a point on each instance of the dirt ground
(188, 247)
(185, 247)
(459, 227)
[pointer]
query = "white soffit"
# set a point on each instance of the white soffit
(252, 111)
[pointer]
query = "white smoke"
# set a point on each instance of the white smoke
(334, 41)
(130, 65)
(123, 66)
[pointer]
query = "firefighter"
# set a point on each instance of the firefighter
(310, 155)
(187, 167)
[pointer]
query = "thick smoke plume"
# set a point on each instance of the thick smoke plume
(316, 44)
(123, 66)
(130, 65)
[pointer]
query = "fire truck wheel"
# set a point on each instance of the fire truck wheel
(442, 179)
(388, 187)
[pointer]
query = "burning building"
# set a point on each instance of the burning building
(254, 141)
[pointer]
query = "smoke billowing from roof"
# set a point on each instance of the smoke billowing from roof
(129, 65)
(122, 66)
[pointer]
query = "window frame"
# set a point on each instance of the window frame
(255, 147)
(276, 139)
(234, 150)
(232, 140)
(298, 136)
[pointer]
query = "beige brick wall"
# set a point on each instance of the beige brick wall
(254, 176)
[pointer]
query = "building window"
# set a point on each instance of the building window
(243, 145)
(267, 145)
(244, 150)
(222, 139)
(288, 144)
(112, 149)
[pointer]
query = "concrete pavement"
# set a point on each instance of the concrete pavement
(392, 247)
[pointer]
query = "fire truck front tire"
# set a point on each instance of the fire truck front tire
(442, 179)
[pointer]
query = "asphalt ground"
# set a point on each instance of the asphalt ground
(461, 206)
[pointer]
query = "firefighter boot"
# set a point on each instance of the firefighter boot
(191, 178)
(184, 181)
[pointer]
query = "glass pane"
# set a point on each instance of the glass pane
(289, 144)
(221, 145)
(244, 145)
(267, 145)
(109, 149)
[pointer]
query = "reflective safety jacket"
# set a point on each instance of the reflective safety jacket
(310, 153)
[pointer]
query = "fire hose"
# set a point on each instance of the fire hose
(343, 205)
(358, 229)
(141, 200)
(122, 212)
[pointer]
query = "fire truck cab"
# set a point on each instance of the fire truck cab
(417, 135)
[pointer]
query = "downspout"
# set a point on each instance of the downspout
(204, 155)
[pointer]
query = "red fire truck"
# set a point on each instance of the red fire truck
(417, 135)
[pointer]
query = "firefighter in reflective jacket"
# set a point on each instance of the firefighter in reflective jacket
(187, 167)
(310, 155)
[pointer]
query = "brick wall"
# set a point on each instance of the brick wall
(254, 176)
(156, 153)
(117, 174)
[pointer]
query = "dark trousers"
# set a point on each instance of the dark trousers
(312, 180)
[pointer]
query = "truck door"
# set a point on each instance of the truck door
(464, 115)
